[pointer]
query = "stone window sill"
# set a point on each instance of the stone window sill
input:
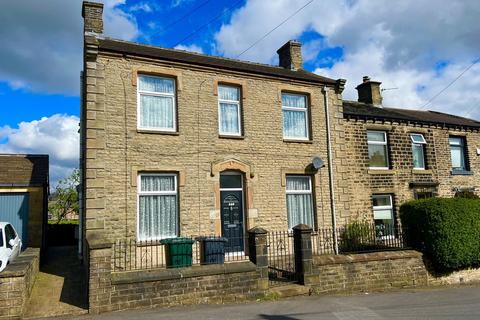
(417, 171)
(298, 141)
(462, 173)
(381, 171)
(169, 133)
(223, 136)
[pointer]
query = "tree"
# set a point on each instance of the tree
(64, 199)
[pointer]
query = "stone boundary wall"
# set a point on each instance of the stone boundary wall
(115, 291)
(377, 271)
(16, 283)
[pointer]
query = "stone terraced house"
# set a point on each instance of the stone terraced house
(175, 143)
(179, 143)
(395, 155)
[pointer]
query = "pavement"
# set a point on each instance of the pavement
(438, 303)
(59, 288)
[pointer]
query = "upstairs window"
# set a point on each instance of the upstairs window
(418, 151)
(156, 103)
(377, 149)
(157, 206)
(229, 113)
(458, 154)
(295, 116)
(299, 201)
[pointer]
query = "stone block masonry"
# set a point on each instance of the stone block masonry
(16, 283)
(378, 271)
(115, 291)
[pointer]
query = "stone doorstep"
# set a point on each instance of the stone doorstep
(290, 290)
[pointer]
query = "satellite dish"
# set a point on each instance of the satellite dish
(317, 163)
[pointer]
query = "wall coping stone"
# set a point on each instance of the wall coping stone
(126, 277)
(98, 240)
(20, 266)
(365, 257)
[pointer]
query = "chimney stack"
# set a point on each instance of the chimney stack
(290, 55)
(92, 15)
(369, 92)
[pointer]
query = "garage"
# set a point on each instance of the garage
(14, 208)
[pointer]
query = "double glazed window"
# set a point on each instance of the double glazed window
(229, 113)
(295, 116)
(458, 154)
(156, 103)
(418, 151)
(377, 149)
(299, 201)
(383, 214)
(157, 206)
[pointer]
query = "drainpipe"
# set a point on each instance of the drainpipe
(330, 171)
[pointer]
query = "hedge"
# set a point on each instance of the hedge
(446, 230)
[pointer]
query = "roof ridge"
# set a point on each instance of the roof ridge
(194, 53)
(453, 115)
(218, 58)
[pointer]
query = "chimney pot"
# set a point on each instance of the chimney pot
(369, 92)
(92, 15)
(290, 55)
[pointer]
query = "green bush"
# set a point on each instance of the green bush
(467, 194)
(446, 230)
(356, 236)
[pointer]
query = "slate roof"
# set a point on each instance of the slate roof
(353, 109)
(136, 49)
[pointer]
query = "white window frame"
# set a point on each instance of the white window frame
(387, 207)
(309, 191)
(417, 144)
(157, 94)
(383, 143)
(307, 123)
(463, 148)
(239, 113)
(156, 193)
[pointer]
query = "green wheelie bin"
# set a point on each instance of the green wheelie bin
(178, 252)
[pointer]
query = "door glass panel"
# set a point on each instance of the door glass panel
(230, 181)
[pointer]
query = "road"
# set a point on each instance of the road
(440, 303)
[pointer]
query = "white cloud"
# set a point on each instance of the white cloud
(42, 42)
(191, 48)
(177, 3)
(399, 45)
(142, 6)
(56, 135)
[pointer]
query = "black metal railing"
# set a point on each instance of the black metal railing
(177, 252)
(281, 257)
(358, 238)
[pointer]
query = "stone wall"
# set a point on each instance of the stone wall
(16, 283)
(368, 272)
(114, 291)
(401, 180)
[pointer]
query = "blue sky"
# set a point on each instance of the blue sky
(406, 46)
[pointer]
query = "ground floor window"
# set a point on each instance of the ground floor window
(383, 215)
(157, 206)
(424, 195)
(299, 201)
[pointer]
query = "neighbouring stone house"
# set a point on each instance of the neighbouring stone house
(175, 143)
(396, 155)
(24, 195)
